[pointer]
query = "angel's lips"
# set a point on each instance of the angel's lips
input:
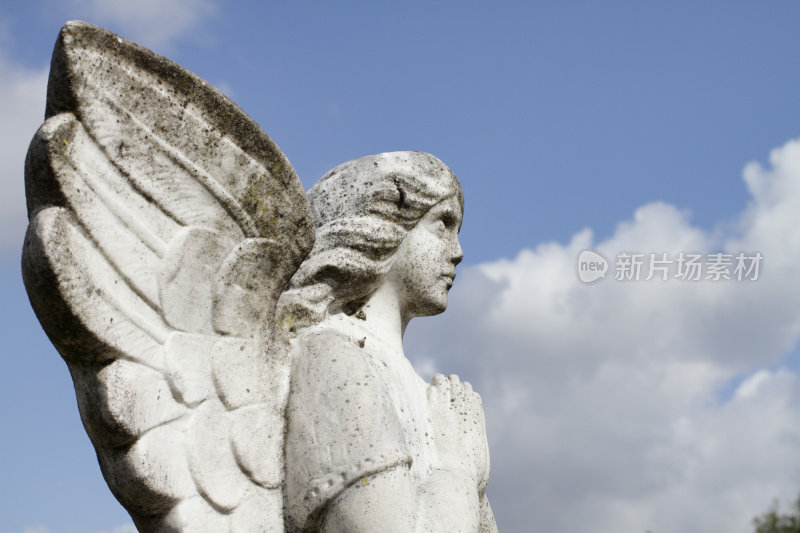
(448, 278)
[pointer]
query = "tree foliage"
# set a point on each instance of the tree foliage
(774, 522)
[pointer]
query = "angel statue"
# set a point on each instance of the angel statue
(236, 343)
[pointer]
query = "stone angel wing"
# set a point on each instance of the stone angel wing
(164, 225)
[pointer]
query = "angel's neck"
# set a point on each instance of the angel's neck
(380, 318)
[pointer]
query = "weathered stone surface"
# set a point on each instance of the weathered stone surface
(236, 345)
(211, 459)
(257, 434)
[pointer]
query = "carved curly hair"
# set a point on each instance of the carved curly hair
(362, 210)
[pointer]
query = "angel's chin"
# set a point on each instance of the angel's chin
(433, 306)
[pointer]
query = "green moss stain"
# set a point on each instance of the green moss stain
(256, 199)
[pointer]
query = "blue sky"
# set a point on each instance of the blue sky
(625, 126)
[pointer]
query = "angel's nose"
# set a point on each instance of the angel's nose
(458, 253)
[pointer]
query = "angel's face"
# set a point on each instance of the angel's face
(425, 264)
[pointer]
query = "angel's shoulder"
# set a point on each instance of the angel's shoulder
(327, 352)
(342, 422)
(320, 337)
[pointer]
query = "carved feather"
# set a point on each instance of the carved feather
(164, 224)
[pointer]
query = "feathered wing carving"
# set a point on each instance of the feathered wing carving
(164, 224)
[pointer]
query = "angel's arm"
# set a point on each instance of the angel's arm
(348, 467)
(392, 502)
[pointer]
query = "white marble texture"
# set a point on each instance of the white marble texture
(236, 344)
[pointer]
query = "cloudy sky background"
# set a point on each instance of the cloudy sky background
(616, 407)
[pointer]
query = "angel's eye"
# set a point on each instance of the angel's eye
(449, 221)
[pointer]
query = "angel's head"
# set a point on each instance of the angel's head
(392, 217)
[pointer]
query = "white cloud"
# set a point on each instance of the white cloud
(151, 23)
(22, 98)
(36, 529)
(607, 404)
